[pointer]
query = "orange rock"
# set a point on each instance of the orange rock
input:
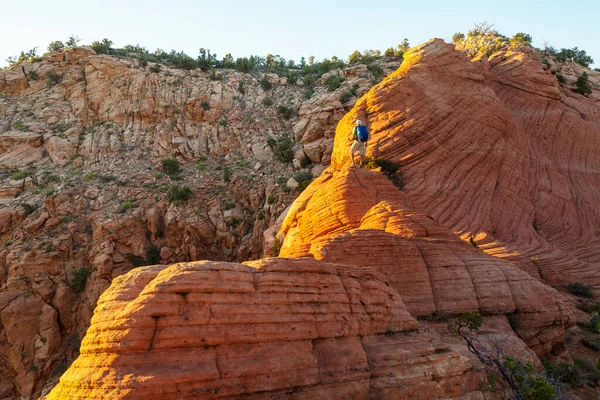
(303, 328)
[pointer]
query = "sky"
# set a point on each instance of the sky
(322, 28)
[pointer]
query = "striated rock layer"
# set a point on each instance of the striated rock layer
(496, 149)
(300, 329)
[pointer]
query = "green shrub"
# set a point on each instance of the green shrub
(309, 93)
(52, 78)
(102, 47)
(285, 112)
(155, 68)
(56, 45)
(276, 247)
(283, 150)
(215, 77)
(33, 76)
(593, 343)
(64, 218)
(579, 289)
(271, 199)
(333, 82)
(267, 101)
(563, 372)
(226, 175)
(171, 166)
(390, 169)
(223, 122)
(241, 87)
(90, 176)
(19, 126)
(17, 176)
(29, 208)
(305, 161)
(589, 307)
(162, 189)
(80, 277)
(304, 179)
(266, 84)
(159, 175)
(583, 84)
(126, 205)
(179, 194)
(590, 372)
(260, 215)
(561, 78)
(375, 70)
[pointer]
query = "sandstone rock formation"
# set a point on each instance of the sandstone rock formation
(488, 149)
(276, 327)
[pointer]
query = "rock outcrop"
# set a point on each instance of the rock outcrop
(276, 327)
(492, 150)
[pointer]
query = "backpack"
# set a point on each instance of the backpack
(362, 135)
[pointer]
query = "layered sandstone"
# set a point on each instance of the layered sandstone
(301, 329)
(497, 150)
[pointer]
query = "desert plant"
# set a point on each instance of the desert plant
(153, 255)
(303, 178)
(52, 78)
(102, 47)
(266, 84)
(583, 84)
(226, 175)
(595, 323)
(126, 205)
(390, 169)
(283, 150)
(155, 68)
(333, 82)
(205, 105)
(33, 76)
(561, 78)
(22, 174)
(29, 208)
(285, 112)
(170, 166)
(579, 289)
(267, 101)
(179, 194)
(64, 218)
(518, 374)
(56, 45)
(80, 277)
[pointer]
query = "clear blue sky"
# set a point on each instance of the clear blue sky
(291, 29)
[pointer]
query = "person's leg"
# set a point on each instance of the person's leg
(361, 153)
(353, 152)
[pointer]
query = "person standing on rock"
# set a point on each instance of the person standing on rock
(361, 137)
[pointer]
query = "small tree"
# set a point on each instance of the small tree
(72, 41)
(520, 375)
(56, 45)
(458, 37)
(521, 39)
(102, 47)
(583, 84)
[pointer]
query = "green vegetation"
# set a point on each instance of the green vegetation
(178, 194)
(333, 82)
(575, 55)
(126, 205)
(153, 255)
(33, 76)
(282, 149)
(52, 78)
(226, 174)
(349, 94)
(56, 45)
(285, 112)
(520, 39)
(29, 208)
(80, 277)
(170, 166)
(102, 47)
(583, 84)
(267, 101)
(266, 84)
(271, 199)
(303, 178)
(579, 289)
(390, 169)
(64, 219)
(19, 126)
(561, 78)
(90, 176)
(519, 375)
(22, 174)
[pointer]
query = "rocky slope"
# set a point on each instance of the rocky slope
(83, 192)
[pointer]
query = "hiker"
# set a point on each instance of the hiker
(361, 136)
